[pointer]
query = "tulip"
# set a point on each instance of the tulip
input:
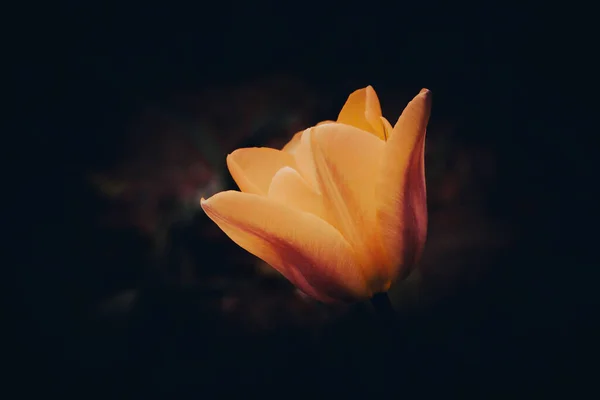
(341, 210)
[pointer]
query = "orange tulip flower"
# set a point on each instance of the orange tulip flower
(341, 210)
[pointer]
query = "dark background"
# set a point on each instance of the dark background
(85, 69)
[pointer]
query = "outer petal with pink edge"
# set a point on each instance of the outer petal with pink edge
(306, 250)
(401, 190)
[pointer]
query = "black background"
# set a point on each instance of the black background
(511, 72)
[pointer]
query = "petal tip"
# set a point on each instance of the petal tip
(371, 90)
(204, 203)
(424, 96)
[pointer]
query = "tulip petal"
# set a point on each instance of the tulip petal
(325, 122)
(387, 128)
(401, 190)
(303, 155)
(308, 251)
(288, 187)
(253, 168)
(291, 146)
(362, 110)
(347, 162)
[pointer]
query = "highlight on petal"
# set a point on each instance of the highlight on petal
(303, 155)
(289, 187)
(362, 110)
(325, 122)
(347, 162)
(253, 168)
(401, 190)
(306, 250)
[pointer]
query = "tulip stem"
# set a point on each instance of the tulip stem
(382, 304)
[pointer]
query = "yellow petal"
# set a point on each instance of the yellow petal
(387, 127)
(347, 162)
(309, 252)
(303, 155)
(253, 168)
(362, 110)
(289, 188)
(401, 190)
